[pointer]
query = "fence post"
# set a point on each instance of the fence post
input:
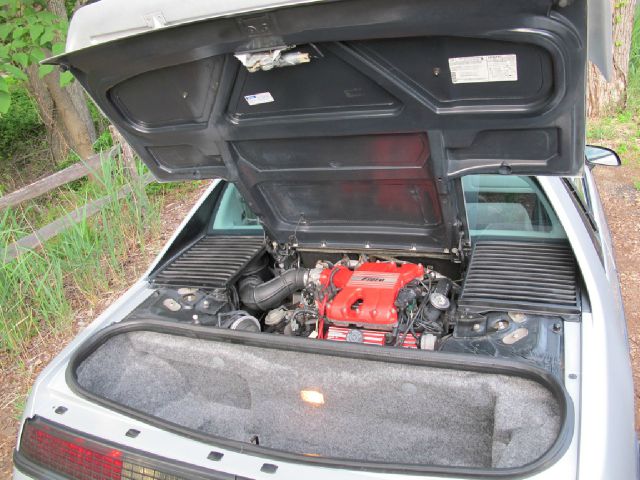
(131, 171)
(127, 155)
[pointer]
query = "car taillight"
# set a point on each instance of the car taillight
(73, 457)
(79, 458)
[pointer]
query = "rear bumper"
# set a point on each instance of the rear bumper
(24, 469)
(18, 475)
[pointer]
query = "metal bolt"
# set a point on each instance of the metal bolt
(476, 327)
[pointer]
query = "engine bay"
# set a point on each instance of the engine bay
(474, 306)
(380, 302)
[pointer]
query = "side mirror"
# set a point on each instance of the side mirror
(601, 156)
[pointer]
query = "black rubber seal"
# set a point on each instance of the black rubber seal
(442, 360)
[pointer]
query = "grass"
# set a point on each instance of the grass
(40, 289)
(620, 132)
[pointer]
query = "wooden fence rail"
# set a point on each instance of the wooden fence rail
(40, 187)
(58, 179)
(37, 238)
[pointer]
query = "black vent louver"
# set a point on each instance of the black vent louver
(211, 262)
(525, 277)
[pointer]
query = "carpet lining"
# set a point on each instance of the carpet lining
(373, 411)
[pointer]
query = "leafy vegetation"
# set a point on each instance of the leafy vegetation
(21, 127)
(29, 33)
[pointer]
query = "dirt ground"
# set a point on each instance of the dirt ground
(622, 205)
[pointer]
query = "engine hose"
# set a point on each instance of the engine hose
(258, 295)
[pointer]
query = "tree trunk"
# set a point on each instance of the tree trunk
(63, 111)
(79, 100)
(126, 153)
(72, 125)
(604, 97)
(48, 115)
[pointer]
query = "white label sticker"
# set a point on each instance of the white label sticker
(258, 98)
(485, 68)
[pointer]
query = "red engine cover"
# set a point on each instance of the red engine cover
(367, 295)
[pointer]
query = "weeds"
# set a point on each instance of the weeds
(40, 288)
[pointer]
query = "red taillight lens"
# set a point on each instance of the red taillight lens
(51, 447)
(71, 456)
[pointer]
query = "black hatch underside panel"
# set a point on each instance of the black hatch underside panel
(211, 262)
(358, 146)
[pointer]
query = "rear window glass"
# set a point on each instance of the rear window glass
(233, 213)
(506, 205)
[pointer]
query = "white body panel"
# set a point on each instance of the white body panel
(113, 19)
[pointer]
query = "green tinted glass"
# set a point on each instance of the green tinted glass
(234, 213)
(506, 205)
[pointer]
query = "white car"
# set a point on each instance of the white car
(403, 271)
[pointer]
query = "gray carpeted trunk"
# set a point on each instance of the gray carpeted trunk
(373, 410)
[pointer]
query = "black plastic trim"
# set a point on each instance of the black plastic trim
(587, 218)
(443, 360)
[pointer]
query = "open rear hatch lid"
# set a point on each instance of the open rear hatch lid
(358, 141)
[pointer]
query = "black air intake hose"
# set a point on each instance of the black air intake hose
(257, 295)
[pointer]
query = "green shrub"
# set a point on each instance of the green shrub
(21, 125)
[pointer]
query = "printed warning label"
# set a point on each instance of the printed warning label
(258, 98)
(484, 68)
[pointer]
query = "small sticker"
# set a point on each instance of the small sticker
(258, 98)
(485, 68)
